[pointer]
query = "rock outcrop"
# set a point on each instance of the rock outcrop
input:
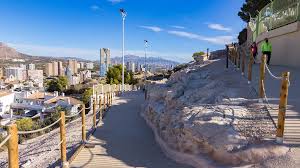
(205, 117)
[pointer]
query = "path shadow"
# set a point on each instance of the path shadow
(128, 138)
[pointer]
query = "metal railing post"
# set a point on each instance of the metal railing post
(63, 146)
(13, 146)
(282, 106)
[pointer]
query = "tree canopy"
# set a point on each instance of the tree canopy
(59, 84)
(86, 95)
(198, 53)
(114, 75)
(251, 8)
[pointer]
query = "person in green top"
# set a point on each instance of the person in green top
(266, 49)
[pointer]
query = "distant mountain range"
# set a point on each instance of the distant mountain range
(8, 53)
(141, 60)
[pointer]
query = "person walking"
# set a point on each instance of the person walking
(254, 50)
(266, 49)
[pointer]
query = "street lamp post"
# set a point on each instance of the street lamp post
(146, 46)
(124, 14)
(207, 51)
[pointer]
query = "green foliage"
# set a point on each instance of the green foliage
(59, 84)
(63, 81)
(25, 124)
(198, 54)
(180, 67)
(242, 36)
(251, 8)
(54, 85)
(114, 76)
(87, 95)
(54, 116)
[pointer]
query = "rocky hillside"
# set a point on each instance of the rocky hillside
(205, 116)
(8, 52)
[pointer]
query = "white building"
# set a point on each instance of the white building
(132, 67)
(81, 65)
(31, 66)
(36, 76)
(6, 99)
(14, 73)
(85, 75)
(89, 65)
(23, 66)
(44, 103)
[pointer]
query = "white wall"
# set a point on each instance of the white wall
(286, 45)
(5, 102)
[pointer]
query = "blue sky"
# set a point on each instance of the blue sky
(79, 28)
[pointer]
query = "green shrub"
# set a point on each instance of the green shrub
(25, 124)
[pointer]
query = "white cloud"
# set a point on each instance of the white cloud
(152, 28)
(216, 26)
(115, 1)
(95, 7)
(178, 27)
(215, 40)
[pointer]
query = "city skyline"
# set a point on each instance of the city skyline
(87, 26)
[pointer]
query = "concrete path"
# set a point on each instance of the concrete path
(124, 140)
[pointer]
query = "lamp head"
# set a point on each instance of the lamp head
(123, 12)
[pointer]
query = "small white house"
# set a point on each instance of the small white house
(6, 99)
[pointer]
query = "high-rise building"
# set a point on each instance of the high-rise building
(49, 69)
(61, 71)
(31, 67)
(81, 65)
(89, 65)
(1, 73)
(36, 76)
(55, 68)
(72, 64)
(14, 73)
(104, 61)
(85, 75)
(23, 66)
(130, 66)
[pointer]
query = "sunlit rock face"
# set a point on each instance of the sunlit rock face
(205, 112)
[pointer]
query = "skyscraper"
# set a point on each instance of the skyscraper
(49, 69)
(72, 64)
(14, 73)
(104, 61)
(60, 69)
(55, 68)
(31, 66)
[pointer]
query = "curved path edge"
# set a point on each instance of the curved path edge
(179, 157)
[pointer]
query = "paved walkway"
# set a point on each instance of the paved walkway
(124, 140)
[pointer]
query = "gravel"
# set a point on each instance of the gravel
(44, 151)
